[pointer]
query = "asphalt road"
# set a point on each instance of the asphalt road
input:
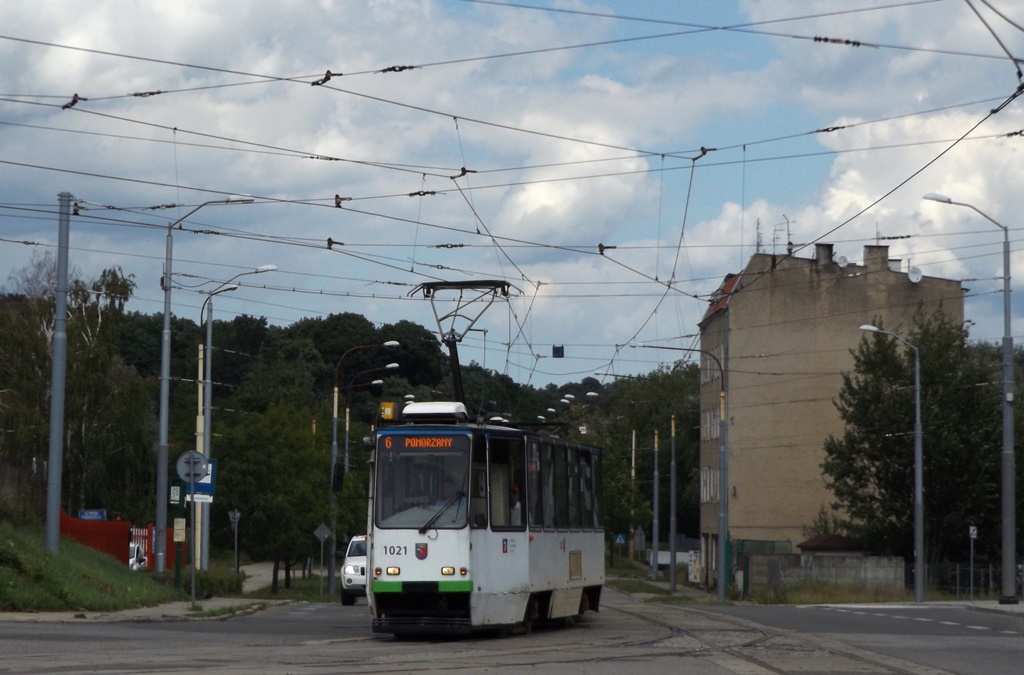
(627, 635)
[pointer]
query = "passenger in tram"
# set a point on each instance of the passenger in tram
(516, 514)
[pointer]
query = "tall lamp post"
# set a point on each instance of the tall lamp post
(723, 470)
(160, 545)
(204, 519)
(332, 565)
(1009, 470)
(348, 400)
(918, 469)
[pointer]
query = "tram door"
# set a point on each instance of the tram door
(501, 556)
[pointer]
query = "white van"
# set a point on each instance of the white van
(353, 571)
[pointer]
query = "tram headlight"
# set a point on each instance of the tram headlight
(394, 571)
(448, 571)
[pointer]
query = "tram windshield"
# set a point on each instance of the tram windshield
(422, 480)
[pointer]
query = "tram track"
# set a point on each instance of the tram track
(627, 636)
(740, 643)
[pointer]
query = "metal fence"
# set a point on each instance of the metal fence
(962, 580)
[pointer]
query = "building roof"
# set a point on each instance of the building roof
(830, 542)
(721, 297)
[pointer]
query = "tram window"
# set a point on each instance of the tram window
(478, 485)
(534, 486)
(561, 488)
(573, 466)
(547, 473)
(598, 490)
(586, 490)
(507, 459)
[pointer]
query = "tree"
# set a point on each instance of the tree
(870, 467)
(419, 353)
(640, 405)
(105, 444)
(273, 469)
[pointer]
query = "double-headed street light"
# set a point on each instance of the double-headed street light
(1009, 469)
(918, 469)
(208, 395)
(348, 398)
(331, 562)
(160, 545)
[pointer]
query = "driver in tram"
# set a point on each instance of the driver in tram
(448, 492)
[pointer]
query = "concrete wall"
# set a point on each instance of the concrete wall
(774, 572)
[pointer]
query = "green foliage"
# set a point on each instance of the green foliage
(826, 522)
(636, 408)
(272, 412)
(106, 409)
(636, 586)
(309, 589)
(78, 578)
(216, 582)
(274, 470)
(870, 467)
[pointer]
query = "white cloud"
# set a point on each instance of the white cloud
(549, 201)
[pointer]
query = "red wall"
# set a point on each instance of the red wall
(110, 536)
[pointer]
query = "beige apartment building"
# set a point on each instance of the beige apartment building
(780, 333)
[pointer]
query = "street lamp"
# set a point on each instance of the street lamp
(723, 473)
(918, 469)
(204, 519)
(331, 563)
(348, 399)
(160, 545)
(1009, 470)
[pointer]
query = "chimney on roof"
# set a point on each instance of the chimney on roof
(823, 253)
(876, 258)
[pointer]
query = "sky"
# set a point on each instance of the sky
(612, 161)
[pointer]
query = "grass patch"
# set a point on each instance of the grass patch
(76, 578)
(310, 589)
(635, 586)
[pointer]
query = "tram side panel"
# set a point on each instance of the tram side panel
(564, 563)
(501, 567)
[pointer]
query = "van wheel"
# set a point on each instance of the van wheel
(347, 598)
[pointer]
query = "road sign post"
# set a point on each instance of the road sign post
(192, 467)
(972, 534)
(235, 515)
(322, 532)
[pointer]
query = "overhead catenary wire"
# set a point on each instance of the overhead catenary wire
(469, 191)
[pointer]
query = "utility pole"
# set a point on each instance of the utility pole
(58, 375)
(654, 528)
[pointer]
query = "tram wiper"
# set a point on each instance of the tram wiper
(459, 496)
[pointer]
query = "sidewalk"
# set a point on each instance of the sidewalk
(257, 576)
(684, 590)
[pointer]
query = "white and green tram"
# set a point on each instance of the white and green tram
(478, 526)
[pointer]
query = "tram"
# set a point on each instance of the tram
(477, 525)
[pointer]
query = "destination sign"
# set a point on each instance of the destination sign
(425, 442)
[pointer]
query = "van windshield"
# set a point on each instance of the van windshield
(357, 549)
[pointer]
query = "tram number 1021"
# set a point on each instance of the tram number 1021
(396, 550)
